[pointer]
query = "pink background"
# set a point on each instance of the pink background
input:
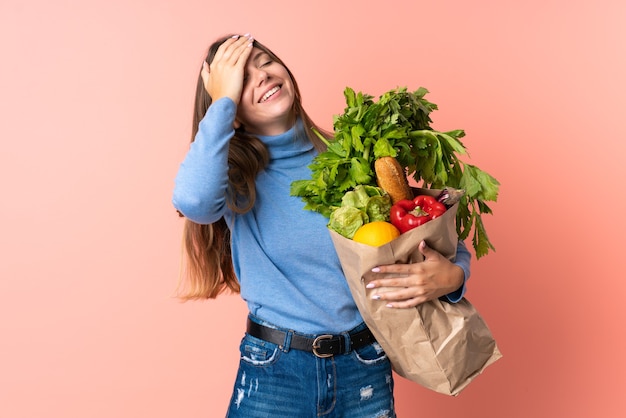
(95, 101)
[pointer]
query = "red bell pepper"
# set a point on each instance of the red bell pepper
(408, 214)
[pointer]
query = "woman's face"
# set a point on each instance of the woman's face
(266, 105)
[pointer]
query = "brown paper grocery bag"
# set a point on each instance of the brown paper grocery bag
(440, 345)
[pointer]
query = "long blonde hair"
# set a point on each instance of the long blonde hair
(207, 260)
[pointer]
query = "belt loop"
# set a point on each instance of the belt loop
(347, 341)
(287, 343)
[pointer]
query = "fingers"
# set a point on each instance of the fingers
(405, 298)
(225, 49)
(234, 51)
(397, 288)
(224, 76)
(407, 285)
(397, 292)
(428, 253)
(392, 281)
(398, 276)
(409, 303)
(399, 285)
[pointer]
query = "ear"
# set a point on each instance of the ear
(237, 124)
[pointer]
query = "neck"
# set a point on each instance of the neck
(274, 127)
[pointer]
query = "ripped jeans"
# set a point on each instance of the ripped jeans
(280, 382)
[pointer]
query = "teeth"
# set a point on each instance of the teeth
(269, 93)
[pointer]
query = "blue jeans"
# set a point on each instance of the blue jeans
(280, 382)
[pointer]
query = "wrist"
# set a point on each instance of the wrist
(458, 278)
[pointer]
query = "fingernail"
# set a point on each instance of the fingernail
(235, 36)
(376, 297)
(375, 269)
(370, 286)
(389, 305)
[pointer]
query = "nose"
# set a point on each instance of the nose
(261, 76)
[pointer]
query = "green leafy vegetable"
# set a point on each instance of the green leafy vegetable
(362, 205)
(346, 220)
(397, 125)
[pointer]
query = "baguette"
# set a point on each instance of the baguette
(391, 177)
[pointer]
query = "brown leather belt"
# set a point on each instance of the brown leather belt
(325, 345)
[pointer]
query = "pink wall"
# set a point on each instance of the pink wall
(95, 101)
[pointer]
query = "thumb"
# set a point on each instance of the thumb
(204, 73)
(426, 251)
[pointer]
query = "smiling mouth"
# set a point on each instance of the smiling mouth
(269, 94)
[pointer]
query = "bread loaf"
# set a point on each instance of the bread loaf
(391, 177)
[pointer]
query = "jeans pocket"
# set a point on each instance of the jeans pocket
(258, 352)
(371, 354)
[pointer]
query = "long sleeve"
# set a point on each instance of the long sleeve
(202, 178)
(463, 258)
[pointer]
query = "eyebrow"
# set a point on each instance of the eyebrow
(259, 55)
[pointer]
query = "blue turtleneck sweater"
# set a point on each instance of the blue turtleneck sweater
(283, 255)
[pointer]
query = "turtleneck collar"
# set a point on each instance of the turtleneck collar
(289, 144)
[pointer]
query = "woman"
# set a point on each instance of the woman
(306, 351)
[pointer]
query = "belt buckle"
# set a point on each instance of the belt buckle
(316, 345)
